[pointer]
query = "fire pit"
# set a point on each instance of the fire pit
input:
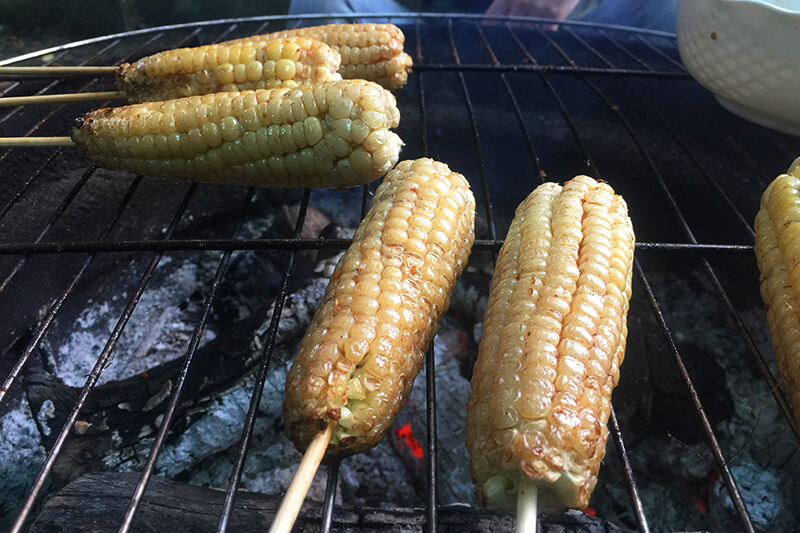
(147, 324)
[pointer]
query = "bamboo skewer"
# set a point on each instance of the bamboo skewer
(57, 71)
(33, 142)
(527, 496)
(9, 101)
(293, 500)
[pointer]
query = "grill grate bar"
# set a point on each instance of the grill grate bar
(50, 115)
(685, 147)
(627, 469)
(48, 318)
(54, 84)
(102, 361)
(475, 135)
(11, 86)
(330, 497)
(258, 387)
(722, 132)
(431, 445)
(537, 168)
(431, 448)
(730, 482)
(50, 222)
(63, 247)
(333, 469)
(755, 353)
(549, 69)
(29, 181)
(722, 463)
(177, 390)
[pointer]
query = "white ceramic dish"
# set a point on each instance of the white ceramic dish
(747, 52)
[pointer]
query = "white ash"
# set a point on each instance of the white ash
(21, 456)
(46, 412)
(158, 331)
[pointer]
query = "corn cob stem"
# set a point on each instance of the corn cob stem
(34, 142)
(296, 494)
(527, 499)
(58, 71)
(10, 101)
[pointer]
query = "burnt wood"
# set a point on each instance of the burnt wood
(95, 503)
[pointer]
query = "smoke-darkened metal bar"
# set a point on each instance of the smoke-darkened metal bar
(261, 378)
(722, 462)
(177, 390)
(102, 361)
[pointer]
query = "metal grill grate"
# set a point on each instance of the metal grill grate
(609, 101)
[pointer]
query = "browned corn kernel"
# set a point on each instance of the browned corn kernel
(360, 355)
(267, 64)
(334, 134)
(778, 253)
(369, 51)
(553, 339)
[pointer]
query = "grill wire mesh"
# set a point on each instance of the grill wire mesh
(504, 101)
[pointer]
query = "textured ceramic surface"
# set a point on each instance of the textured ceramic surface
(747, 52)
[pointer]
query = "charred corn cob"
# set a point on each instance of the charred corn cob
(366, 344)
(778, 254)
(335, 134)
(268, 64)
(553, 339)
(369, 51)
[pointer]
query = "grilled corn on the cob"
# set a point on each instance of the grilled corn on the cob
(778, 254)
(369, 51)
(334, 134)
(366, 344)
(267, 64)
(553, 339)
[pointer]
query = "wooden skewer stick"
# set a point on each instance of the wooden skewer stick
(293, 500)
(58, 71)
(33, 142)
(527, 496)
(9, 101)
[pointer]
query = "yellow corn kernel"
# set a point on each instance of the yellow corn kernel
(777, 250)
(224, 67)
(368, 51)
(366, 344)
(553, 339)
(279, 137)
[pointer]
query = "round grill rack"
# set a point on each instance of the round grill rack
(504, 101)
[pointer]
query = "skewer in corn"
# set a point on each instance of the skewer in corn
(553, 339)
(366, 344)
(776, 225)
(334, 134)
(268, 64)
(357, 51)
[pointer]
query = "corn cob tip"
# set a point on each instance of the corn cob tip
(794, 168)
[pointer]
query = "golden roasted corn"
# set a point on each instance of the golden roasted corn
(268, 64)
(553, 339)
(366, 344)
(777, 250)
(369, 51)
(335, 134)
